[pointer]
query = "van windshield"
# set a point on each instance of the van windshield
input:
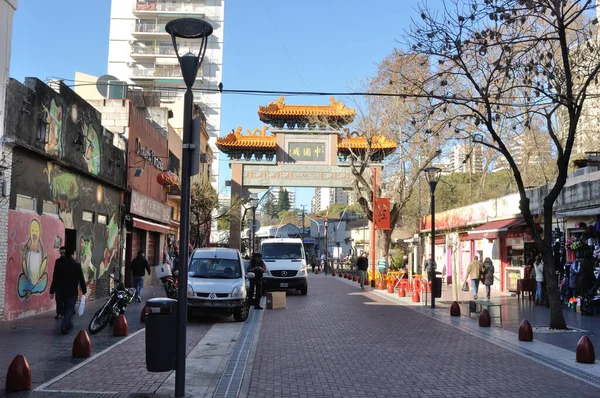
(271, 251)
(215, 268)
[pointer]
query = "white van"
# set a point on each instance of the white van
(286, 264)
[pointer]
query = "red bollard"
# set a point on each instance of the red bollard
(82, 346)
(380, 286)
(485, 321)
(455, 309)
(145, 311)
(359, 280)
(585, 351)
(355, 278)
(340, 275)
(316, 272)
(121, 328)
(401, 292)
(390, 288)
(415, 296)
(333, 273)
(525, 331)
(18, 377)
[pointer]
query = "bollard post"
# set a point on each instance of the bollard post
(525, 331)
(82, 346)
(455, 309)
(18, 377)
(120, 328)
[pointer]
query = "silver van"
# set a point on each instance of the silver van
(217, 283)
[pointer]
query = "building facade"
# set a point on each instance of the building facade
(325, 197)
(67, 180)
(141, 53)
(7, 9)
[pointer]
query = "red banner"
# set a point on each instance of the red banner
(382, 213)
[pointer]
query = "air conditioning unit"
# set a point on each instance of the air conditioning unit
(130, 64)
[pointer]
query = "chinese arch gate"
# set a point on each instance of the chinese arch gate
(306, 147)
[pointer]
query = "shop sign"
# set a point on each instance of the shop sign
(148, 154)
(514, 242)
(147, 207)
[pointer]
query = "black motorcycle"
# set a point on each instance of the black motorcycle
(120, 298)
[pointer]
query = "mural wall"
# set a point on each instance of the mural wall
(33, 243)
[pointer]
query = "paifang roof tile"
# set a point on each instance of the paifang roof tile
(334, 109)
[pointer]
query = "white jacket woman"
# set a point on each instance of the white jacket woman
(539, 277)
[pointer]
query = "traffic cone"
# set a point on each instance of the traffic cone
(121, 328)
(454, 309)
(82, 346)
(18, 377)
(525, 331)
(485, 321)
(415, 296)
(144, 315)
(390, 288)
(401, 292)
(585, 351)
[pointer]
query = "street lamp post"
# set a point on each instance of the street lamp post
(188, 29)
(253, 205)
(433, 176)
(325, 227)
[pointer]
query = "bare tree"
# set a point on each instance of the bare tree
(418, 142)
(503, 66)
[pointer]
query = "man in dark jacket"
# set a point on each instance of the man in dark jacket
(362, 263)
(56, 277)
(71, 278)
(138, 267)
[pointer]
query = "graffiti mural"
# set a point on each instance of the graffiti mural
(33, 243)
(64, 188)
(112, 244)
(53, 116)
(92, 149)
(34, 278)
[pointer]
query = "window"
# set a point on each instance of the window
(87, 216)
(215, 268)
(50, 208)
(26, 203)
(281, 250)
(102, 218)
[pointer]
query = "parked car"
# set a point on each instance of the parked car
(286, 264)
(217, 283)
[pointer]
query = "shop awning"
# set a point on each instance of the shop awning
(150, 226)
(592, 211)
(495, 229)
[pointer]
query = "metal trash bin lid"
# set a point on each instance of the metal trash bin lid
(161, 302)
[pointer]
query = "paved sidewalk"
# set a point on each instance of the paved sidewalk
(341, 342)
(47, 350)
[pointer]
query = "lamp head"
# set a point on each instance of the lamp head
(190, 29)
(433, 175)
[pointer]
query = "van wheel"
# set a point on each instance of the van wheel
(304, 290)
(240, 314)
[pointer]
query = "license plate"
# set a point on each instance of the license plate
(283, 285)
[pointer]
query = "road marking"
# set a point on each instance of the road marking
(82, 364)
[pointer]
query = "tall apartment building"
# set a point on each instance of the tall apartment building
(141, 53)
(325, 197)
(467, 157)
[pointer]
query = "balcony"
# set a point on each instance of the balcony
(165, 72)
(149, 29)
(152, 8)
(152, 51)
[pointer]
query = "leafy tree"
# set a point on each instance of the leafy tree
(288, 217)
(269, 209)
(500, 70)
(283, 202)
(204, 209)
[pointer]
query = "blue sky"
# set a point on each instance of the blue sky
(310, 45)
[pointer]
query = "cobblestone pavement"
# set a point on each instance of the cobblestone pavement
(340, 342)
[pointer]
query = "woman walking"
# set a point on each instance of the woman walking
(538, 266)
(488, 276)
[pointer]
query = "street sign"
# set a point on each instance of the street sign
(256, 225)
